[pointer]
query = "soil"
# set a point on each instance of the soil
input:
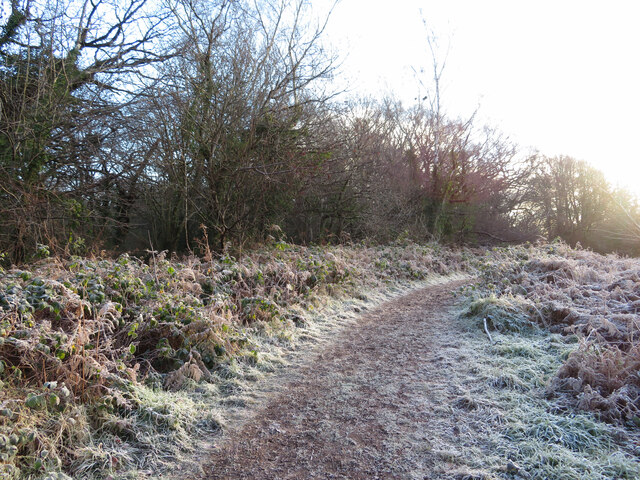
(384, 399)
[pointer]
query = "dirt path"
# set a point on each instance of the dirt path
(383, 400)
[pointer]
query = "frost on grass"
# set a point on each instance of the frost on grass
(529, 435)
(110, 366)
(506, 313)
(573, 292)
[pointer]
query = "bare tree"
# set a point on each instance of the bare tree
(67, 70)
(239, 109)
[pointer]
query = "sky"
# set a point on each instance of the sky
(562, 76)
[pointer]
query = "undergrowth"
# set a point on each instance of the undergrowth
(108, 367)
(95, 352)
(572, 292)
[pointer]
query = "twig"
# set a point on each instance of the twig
(495, 237)
(153, 254)
(542, 319)
(486, 329)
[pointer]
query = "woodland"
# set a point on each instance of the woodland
(128, 126)
(187, 199)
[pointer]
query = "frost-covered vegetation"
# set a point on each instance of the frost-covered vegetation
(577, 292)
(111, 365)
(524, 432)
(562, 368)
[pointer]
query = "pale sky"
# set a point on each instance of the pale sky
(562, 76)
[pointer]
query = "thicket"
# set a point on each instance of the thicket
(133, 125)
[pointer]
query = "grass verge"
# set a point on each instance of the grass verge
(526, 433)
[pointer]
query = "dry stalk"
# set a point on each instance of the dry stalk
(486, 329)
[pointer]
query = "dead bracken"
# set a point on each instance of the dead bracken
(94, 352)
(111, 367)
(595, 297)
